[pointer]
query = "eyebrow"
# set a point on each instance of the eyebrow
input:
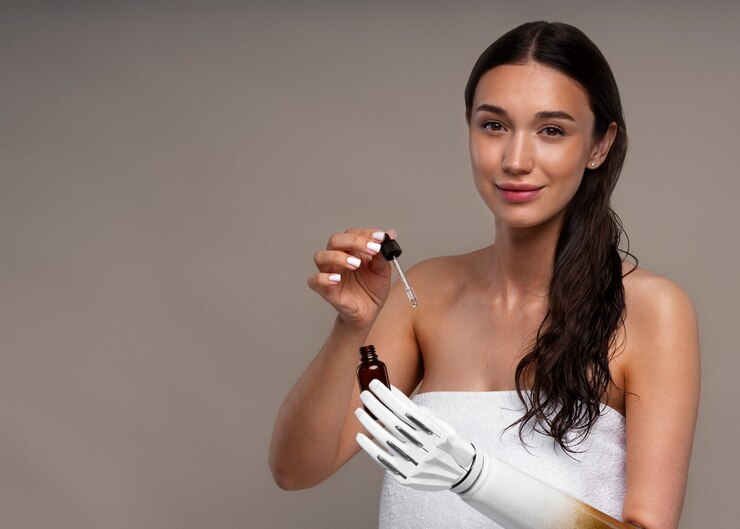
(543, 114)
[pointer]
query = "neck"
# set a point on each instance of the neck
(522, 260)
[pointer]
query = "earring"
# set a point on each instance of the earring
(593, 164)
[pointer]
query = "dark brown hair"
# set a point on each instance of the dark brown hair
(567, 367)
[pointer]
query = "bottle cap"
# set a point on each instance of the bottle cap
(390, 248)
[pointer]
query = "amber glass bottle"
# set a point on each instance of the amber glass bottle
(370, 369)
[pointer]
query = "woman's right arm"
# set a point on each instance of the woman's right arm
(315, 429)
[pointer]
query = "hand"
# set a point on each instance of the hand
(414, 444)
(353, 276)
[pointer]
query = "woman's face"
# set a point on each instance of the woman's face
(531, 137)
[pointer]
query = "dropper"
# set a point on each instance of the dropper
(390, 250)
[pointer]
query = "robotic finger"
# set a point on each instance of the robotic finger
(383, 437)
(385, 459)
(404, 408)
(399, 428)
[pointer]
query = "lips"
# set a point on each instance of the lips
(518, 192)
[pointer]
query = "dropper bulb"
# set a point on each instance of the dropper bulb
(390, 248)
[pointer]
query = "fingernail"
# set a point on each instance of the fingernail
(378, 236)
(335, 278)
(373, 246)
(354, 262)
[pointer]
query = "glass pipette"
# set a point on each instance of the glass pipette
(390, 250)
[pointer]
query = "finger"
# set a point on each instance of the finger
(436, 423)
(401, 447)
(400, 395)
(384, 459)
(404, 408)
(335, 261)
(393, 424)
(360, 243)
(371, 233)
(377, 235)
(421, 416)
(320, 282)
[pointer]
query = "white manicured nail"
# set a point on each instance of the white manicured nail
(335, 278)
(373, 246)
(378, 236)
(354, 262)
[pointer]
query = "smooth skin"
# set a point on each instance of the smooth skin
(478, 311)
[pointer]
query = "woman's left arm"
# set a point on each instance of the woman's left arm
(661, 370)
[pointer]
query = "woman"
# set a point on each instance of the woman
(547, 334)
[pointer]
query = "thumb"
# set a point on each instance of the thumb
(460, 450)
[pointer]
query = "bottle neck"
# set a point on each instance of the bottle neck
(368, 354)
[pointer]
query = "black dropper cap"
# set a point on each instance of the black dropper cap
(390, 248)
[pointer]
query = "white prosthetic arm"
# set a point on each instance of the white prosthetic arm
(423, 452)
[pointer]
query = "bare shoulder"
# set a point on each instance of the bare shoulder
(660, 324)
(446, 263)
(651, 299)
(446, 276)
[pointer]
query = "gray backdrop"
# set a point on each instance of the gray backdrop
(168, 170)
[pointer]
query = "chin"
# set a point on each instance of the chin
(519, 225)
(524, 221)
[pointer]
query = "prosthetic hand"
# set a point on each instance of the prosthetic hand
(423, 452)
(420, 450)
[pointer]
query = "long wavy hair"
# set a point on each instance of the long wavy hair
(566, 368)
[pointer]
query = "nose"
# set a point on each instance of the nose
(518, 155)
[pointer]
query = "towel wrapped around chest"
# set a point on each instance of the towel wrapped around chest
(594, 474)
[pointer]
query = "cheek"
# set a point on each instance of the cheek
(563, 161)
(483, 156)
(481, 166)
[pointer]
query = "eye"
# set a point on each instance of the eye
(492, 126)
(553, 130)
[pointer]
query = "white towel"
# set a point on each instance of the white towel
(595, 475)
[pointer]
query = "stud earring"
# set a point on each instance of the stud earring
(593, 164)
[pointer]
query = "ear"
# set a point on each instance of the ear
(601, 147)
